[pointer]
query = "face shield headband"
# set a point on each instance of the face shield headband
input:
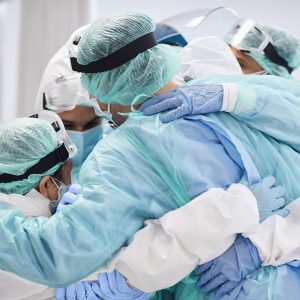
(115, 59)
(65, 150)
(245, 31)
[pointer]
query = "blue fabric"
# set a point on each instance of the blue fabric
(165, 34)
(225, 272)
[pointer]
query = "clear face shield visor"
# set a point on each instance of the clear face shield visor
(247, 36)
(61, 134)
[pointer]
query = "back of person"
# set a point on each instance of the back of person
(162, 166)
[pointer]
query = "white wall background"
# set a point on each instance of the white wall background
(35, 29)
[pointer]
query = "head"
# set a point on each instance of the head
(137, 79)
(25, 142)
(264, 48)
(61, 91)
(246, 62)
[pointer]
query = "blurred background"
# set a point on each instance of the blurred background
(31, 31)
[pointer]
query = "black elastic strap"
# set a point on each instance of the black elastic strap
(117, 58)
(45, 102)
(272, 54)
(59, 155)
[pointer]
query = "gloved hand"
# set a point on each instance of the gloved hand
(225, 272)
(269, 198)
(113, 286)
(69, 197)
(196, 99)
(77, 291)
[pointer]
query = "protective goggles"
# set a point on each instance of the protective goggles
(101, 113)
(248, 37)
(65, 149)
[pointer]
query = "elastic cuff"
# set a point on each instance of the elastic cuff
(230, 97)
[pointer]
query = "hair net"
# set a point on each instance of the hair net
(144, 75)
(24, 142)
(61, 85)
(286, 45)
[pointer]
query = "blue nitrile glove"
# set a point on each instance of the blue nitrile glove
(78, 291)
(269, 198)
(69, 197)
(225, 272)
(196, 99)
(114, 286)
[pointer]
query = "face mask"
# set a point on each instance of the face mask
(85, 142)
(208, 56)
(61, 189)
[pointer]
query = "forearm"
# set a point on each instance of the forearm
(66, 248)
(272, 111)
(168, 249)
(277, 239)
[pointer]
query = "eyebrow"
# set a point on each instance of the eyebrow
(67, 122)
(95, 119)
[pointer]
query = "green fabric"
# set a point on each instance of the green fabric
(24, 142)
(137, 79)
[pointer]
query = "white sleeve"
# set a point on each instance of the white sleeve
(278, 239)
(168, 249)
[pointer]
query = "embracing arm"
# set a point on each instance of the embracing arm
(267, 103)
(169, 248)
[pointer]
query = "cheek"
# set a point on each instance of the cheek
(119, 119)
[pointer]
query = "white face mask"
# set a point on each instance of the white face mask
(208, 56)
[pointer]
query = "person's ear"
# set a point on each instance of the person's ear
(46, 187)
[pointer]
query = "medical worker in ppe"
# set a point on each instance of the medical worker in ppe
(258, 49)
(91, 76)
(39, 194)
(115, 192)
(274, 115)
(60, 91)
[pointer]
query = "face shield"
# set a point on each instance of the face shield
(203, 22)
(62, 136)
(65, 149)
(248, 37)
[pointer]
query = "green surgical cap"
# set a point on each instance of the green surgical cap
(286, 45)
(24, 142)
(143, 75)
